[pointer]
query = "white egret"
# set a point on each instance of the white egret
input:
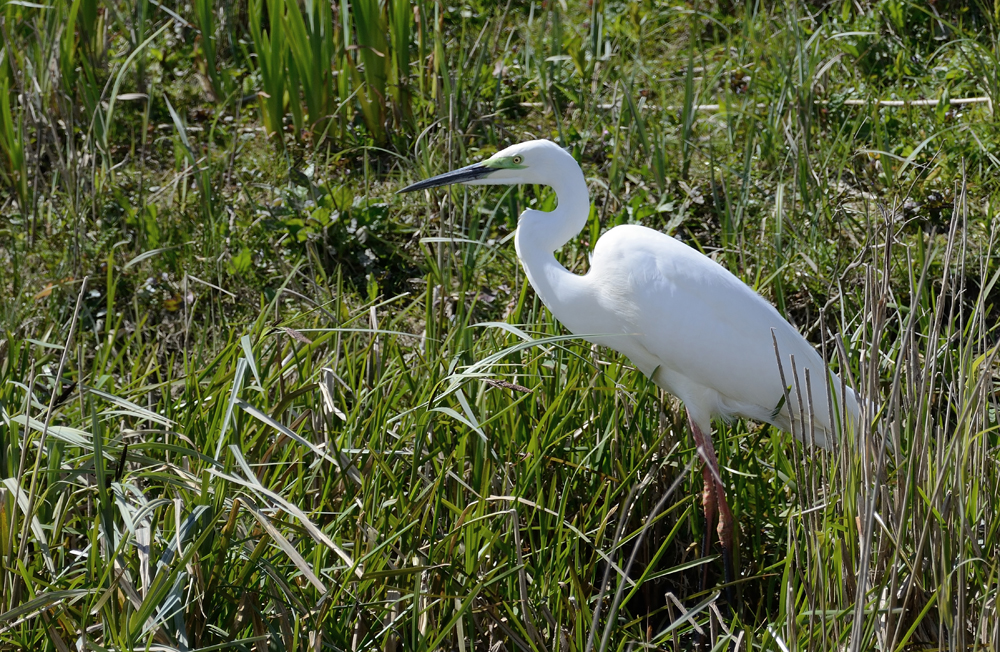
(682, 319)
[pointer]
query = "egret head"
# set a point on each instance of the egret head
(534, 161)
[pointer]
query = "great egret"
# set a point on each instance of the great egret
(682, 319)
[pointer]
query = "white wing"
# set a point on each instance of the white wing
(705, 333)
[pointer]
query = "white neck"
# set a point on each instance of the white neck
(539, 234)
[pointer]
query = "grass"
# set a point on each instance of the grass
(251, 398)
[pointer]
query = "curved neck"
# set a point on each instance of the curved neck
(549, 231)
(539, 234)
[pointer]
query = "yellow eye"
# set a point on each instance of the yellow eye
(518, 159)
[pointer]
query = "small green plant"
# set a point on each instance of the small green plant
(204, 13)
(14, 169)
(272, 54)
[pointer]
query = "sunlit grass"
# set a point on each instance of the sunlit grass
(346, 420)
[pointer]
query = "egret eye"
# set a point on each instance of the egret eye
(518, 159)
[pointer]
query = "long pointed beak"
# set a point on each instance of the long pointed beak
(461, 175)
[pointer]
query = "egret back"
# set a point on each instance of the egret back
(704, 335)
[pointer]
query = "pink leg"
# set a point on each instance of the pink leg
(710, 503)
(715, 494)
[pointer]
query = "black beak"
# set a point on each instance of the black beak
(468, 173)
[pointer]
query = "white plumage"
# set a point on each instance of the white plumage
(704, 333)
(681, 318)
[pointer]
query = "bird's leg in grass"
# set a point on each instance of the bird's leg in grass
(714, 498)
(710, 503)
